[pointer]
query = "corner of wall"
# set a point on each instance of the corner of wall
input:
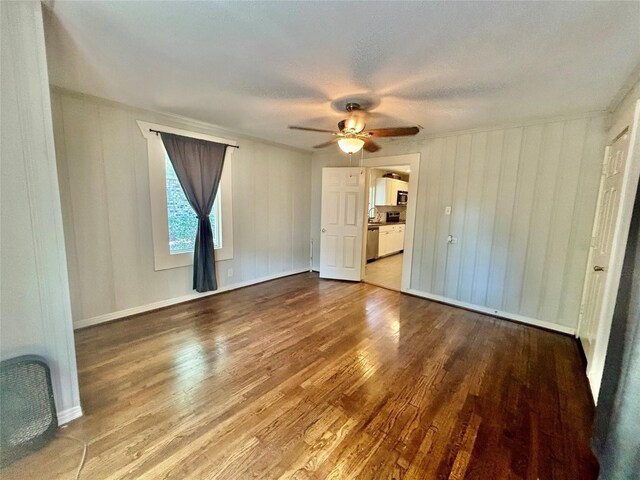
(36, 312)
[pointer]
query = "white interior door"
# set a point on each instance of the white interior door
(601, 243)
(342, 223)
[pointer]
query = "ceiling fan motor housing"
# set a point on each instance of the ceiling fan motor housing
(351, 106)
(351, 135)
(354, 124)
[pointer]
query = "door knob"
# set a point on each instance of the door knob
(324, 230)
(598, 269)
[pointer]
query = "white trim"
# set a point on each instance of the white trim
(192, 122)
(107, 317)
(163, 259)
(146, 127)
(624, 90)
(489, 311)
(37, 148)
(494, 313)
(504, 126)
(65, 416)
(187, 122)
(625, 120)
(629, 119)
(413, 160)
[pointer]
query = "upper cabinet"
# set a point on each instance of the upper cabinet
(387, 191)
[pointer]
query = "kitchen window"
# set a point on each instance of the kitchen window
(174, 223)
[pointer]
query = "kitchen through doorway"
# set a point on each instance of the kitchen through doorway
(388, 197)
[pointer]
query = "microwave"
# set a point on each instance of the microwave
(402, 197)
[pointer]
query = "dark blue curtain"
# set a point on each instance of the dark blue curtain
(198, 165)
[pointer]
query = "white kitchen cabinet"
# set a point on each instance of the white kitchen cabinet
(398, 238)
(387, 191)
(384, 242)
(390, 239)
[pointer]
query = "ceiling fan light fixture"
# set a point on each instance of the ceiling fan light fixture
(350, 144)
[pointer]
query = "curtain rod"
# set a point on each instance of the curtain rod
(225, 144)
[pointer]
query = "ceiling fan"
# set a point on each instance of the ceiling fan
(352, 136)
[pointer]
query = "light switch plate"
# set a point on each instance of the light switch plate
(447, 210)
(230, 272)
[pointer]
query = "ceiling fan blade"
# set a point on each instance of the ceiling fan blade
(326, 144)
(292, 127)
(393, 131)
(370, 145)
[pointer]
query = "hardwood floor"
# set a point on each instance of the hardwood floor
(312, 379)
(386, 272)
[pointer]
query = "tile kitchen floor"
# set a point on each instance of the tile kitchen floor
(386, 272)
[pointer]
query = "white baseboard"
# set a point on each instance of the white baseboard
(107, 317)
(491, 311)
(496, 313)
(65, 416)
(185, 298)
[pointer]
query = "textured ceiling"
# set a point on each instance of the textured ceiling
(258, 67)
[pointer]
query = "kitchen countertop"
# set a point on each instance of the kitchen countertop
(382, 224)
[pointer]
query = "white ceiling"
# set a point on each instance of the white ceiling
(258, 67)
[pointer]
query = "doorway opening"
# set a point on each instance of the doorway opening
(388, 194)
(344, 221)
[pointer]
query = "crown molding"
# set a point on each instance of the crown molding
(187, 122)
(627, 86)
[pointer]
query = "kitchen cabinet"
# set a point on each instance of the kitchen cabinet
(384, 242)
(387, 191)
(390, 239)
(398, 239)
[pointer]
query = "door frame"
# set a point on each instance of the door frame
(628, 121)
(413, 160)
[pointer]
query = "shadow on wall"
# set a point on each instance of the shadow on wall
(617, 429)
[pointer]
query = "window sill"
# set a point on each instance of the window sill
(177, 260)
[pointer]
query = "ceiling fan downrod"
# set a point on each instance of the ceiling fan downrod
(351, 106)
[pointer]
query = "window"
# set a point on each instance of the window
(372, 201)
(173, 222)
(182, 220)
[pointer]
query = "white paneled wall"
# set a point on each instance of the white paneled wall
(522, 203)
(35, 311)
(102, 165)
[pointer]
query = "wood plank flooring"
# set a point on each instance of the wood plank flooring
(313, 379)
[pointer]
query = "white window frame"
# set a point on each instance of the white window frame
(163, 259)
